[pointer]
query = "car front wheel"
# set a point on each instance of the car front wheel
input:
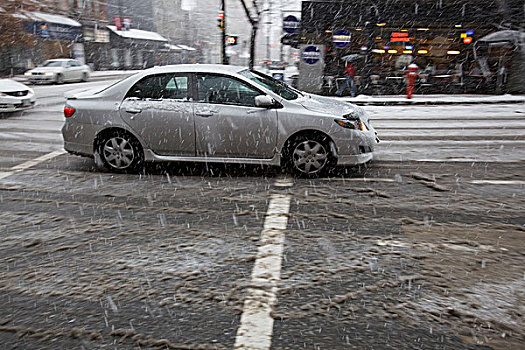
(310, 155)
(121, 152)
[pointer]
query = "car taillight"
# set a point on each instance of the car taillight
(68, 111)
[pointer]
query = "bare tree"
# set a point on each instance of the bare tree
(253, 16)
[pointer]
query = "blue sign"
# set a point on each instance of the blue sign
(311, 54)
(341, 38)
(54, 31)
(278, 76)
(290, 24)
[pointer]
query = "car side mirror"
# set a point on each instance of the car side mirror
(264, 101)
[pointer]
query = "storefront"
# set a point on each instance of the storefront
(384, 38)
(136, 49)
(97, 46)
(54, 36)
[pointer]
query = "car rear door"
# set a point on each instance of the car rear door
(227, 123)
(159, 109)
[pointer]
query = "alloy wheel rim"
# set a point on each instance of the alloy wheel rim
(310, 157)
(118, 152)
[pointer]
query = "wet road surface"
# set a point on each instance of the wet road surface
(393, 255)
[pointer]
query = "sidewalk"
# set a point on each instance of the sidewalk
(438, 99)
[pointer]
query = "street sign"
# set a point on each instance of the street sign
(290, 24)
(341, 38)
(311, 55)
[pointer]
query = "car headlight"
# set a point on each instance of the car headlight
(49, 73)
(352, 124)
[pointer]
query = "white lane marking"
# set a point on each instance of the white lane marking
(475, 182)
(256, 326)
(497, 182)
(358, 179)
(283, 182)
(21, 167)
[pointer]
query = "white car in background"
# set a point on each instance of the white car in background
(15, 96)
(59, 71)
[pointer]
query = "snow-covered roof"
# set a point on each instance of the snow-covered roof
(137, 34)
(52, 18)
(184, 47)
(172, 47)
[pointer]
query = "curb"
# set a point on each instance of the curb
(444, 101)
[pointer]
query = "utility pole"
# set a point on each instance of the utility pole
(223, 34)
(268, 28)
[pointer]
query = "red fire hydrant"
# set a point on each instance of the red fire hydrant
(411, 79)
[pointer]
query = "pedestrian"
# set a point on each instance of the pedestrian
(350, 70)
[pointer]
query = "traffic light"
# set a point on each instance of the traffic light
(220, 20)
(231, 40)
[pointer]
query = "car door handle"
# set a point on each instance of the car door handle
(133, 110)
(251, 111)
(204, 114)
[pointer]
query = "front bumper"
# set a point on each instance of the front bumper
(41, 78)
(355, 159)
(354, 147)
(10, 104)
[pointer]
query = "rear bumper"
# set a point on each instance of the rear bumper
(78, 138)
(79, 149)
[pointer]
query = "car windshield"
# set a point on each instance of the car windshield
(52, 64)
(274, 85)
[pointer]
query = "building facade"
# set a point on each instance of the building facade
(33, 31)
(442, 38)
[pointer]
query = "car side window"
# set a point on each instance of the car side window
(74, 63)
(160, 86)
(225, 90)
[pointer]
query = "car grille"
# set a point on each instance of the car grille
(17, 93)
(37, 73)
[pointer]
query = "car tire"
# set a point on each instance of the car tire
(84, 77)
(120, 152)
(309, 155)
(59, 79)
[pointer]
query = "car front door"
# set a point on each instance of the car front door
(70, 71)
(227, 122)
(159, 108)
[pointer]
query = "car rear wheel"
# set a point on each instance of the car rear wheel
(309, 156)
(121, 152)
(84, 77)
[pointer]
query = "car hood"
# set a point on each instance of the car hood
(8, 85)
(328, 105)
(46, 69)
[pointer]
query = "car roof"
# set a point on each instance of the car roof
(61, 59)
(200, 68)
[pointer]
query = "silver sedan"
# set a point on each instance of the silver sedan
(214, 113)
